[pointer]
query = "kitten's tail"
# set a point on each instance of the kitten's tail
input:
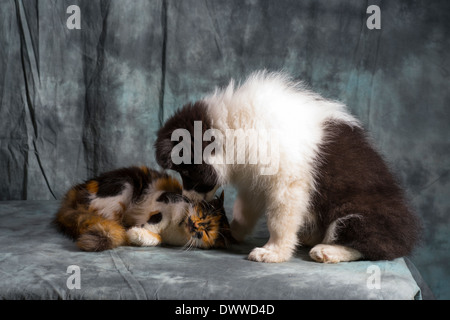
(91, 231)
(101, 234)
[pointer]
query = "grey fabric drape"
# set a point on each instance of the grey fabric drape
(74, 102)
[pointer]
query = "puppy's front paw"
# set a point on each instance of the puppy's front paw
(142, 237)
(267, 255)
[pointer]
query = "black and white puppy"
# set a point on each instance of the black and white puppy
(322, 184)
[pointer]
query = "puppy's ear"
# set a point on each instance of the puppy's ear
(163, 147)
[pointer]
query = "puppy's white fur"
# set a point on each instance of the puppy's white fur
(294, 117)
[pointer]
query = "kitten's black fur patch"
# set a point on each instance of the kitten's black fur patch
(354, 179)
(198, 177)
(156, 218)
(113, 182)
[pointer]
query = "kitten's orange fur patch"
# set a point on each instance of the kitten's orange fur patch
(87, 220)
(144, 169)
(168, 184)
(199, 210)
(115, 232)
(92, 186)
(71, 196)
(157, 236)
(210, 238)
(122, 205)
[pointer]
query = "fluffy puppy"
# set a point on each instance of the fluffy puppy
(322, 184)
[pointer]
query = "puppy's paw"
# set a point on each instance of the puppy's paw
(270, 255)
(142, 237)
(327, 253)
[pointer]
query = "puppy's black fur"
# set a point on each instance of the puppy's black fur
(199, 177)
(355, 184)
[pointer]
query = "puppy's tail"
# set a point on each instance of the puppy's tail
(91, 231)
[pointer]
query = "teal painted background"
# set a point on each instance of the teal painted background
(74, 103)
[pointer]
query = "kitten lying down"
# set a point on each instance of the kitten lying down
(143, 207)
(202, 225)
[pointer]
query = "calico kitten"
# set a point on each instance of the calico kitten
(136, 206)
(330, 188)
(208, 225)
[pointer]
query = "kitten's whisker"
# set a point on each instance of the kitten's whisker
(187, 245)
(184, 247)
(192, 244)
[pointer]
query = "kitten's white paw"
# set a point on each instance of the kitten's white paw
(328, 253)
(267, 255)
(141, 237)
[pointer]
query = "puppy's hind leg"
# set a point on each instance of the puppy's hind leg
(331, 252)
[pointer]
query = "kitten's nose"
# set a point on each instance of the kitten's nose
(199, 235)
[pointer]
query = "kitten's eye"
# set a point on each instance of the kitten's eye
(156, 218)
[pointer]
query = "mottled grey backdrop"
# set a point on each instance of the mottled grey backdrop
(77, 102)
